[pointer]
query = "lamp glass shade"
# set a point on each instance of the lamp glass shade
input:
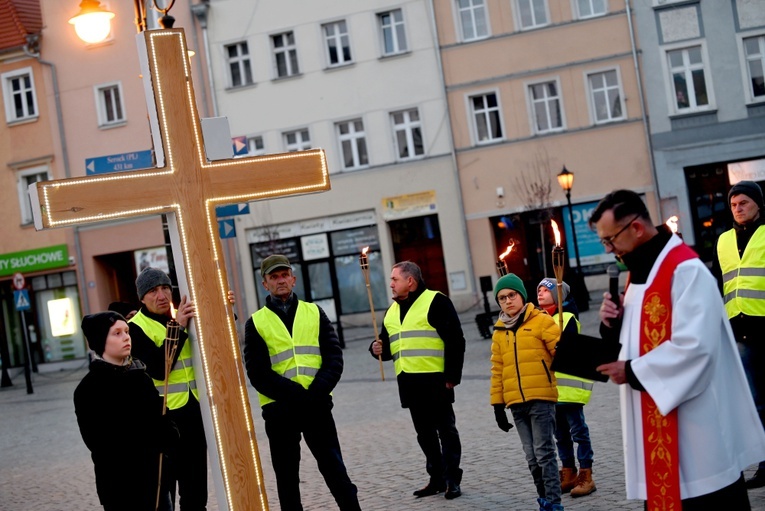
(566, 179)
(93, 23)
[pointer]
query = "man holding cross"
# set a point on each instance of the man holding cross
(188, 465)
(293, 359)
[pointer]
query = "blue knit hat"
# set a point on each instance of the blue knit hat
(510, 281)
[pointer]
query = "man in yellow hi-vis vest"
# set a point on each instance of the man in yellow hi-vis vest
(573, 394)
(739, 265)
(188, 465)
(422, 334)
(293, 359)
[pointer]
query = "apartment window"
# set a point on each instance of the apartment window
(688, 76)
(239, 64)
(590, 8)
(754, 52)
(285, 54)
(19, 95)
(338, 43)
(473, 19)
(545, 107)
(605, 96)
(255, 146)
(26, 178)
(408, 131)
(487, 124)
(353, 144)
(532, 13)
(297, 140)
(392, 32)
(109, 104)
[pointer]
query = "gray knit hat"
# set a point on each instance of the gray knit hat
(748, 188)
(552, 285)
(150, 278)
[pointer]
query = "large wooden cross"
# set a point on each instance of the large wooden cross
(187, 187)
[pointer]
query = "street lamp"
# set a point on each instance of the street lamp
(93, 23)
(566, 181)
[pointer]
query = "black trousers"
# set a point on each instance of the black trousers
(733, 497)
(439, 440)
(188, 463)
(284, 427)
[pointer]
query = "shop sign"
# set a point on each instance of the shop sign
(151, 257)
(752, 170)
(29, 261)
(413, 204)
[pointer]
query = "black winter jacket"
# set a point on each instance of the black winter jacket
(423, 388)
(119, 412)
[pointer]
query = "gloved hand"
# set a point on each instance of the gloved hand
(501, 417)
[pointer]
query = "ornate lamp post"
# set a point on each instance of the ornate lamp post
(566, 181)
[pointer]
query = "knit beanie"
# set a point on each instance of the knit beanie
(510, 281)
(552, 285)
(748, 188)
(96, 329)
(150, 278)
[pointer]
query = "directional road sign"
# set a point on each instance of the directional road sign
(226, 228)
(232, 210)
(119, 162)
(240, 145)
(21, 299)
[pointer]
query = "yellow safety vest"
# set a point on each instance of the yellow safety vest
(572, 389)
(182, 377)
(414, 344)
(296, 357)
(743, 277)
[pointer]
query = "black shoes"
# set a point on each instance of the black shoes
(452, 491)
(758, 481)
(431, 489)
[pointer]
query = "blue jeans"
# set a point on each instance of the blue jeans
(570, 428)
(535, 423)
(753, 358)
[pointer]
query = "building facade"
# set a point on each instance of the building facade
(703, 70)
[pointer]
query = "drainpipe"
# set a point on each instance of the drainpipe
(200, 12)
(646, 121)
(32, 49)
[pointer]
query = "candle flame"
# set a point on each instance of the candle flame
(672, 223)
(506, 252)
(364, 251)
(557, 232)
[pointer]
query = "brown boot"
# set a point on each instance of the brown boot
(567, 479)
(584, 483)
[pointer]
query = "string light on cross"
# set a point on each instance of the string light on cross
(187, 187)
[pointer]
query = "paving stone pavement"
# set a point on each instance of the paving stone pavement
(44, 465)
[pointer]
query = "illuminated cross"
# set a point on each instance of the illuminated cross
(188, 188)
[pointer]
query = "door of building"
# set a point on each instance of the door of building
(418, 239)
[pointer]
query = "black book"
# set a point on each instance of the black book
(579, 356)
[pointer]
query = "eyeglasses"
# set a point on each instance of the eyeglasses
(509, 296)
(609, 241)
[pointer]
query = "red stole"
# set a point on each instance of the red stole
(660, 432)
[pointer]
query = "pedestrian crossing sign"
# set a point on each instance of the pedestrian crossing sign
(21, 299)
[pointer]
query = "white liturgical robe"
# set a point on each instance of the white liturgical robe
(698, 372)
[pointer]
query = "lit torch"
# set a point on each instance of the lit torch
(501, 264)
(557, 261)
(364, 263)
(172, 335)
(672, 224)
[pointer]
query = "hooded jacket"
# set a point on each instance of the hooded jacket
(521, 358)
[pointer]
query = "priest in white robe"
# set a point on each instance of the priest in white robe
(688, 370)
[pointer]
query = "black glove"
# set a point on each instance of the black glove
(501, 417)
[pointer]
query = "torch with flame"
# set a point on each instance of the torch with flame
(557, 261)
(672, 223)
(501, 264)
(364, 263)
(172, 335)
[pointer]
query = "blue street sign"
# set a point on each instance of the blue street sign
(591, 250)
(240, 145)
(119, 162)
(226, 228)
(232, 210)
(21, 299)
